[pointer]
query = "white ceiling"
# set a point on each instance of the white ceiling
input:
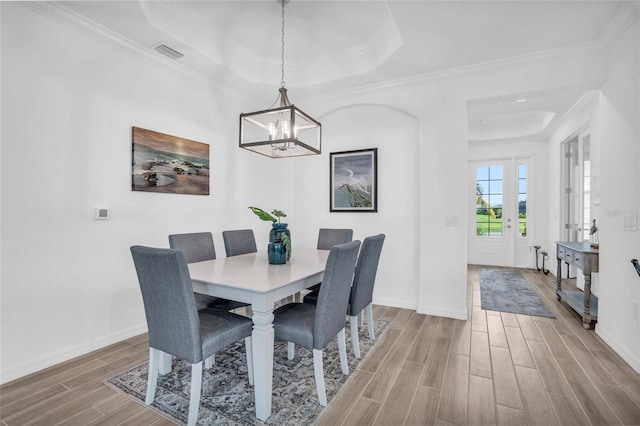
(337, 45)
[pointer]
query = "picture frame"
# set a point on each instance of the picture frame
(353, 185)
(168, 164)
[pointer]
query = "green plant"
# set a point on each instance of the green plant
(286, 241)
(268, 217)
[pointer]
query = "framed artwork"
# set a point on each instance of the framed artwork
(170, 164)
(354, 181)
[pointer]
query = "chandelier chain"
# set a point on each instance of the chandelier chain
(282, 83)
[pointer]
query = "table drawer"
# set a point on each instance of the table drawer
(578, 259)
(568, 256)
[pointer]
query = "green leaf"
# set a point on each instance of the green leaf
(286, 241)
(262, 214)
(279, 213)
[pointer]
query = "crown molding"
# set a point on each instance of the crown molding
(560, 54)
(86, 26)
(626, 16)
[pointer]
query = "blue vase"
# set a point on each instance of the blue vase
(275, 235)
(277, 253)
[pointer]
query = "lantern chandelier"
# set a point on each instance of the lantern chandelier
(283, 130)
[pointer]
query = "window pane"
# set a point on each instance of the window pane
(522, 171)
(522, 186)
(495, 187)
(522, 200)
(495, 172)
(495, 200)
(489, 188)
(482, 173)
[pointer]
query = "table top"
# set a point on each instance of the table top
(252, 272)
(582, 247)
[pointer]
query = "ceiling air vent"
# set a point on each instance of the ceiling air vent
(167, 51)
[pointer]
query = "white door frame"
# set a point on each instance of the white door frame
(509, 249)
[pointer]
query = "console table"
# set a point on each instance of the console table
(585, 258)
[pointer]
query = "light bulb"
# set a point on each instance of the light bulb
(286, 129)
(271, 128)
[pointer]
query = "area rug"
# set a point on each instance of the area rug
(228, 399)
(506, 290)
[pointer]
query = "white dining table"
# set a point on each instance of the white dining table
(251, 279)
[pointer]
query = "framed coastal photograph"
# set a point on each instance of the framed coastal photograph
(354, 181)
(170, 164)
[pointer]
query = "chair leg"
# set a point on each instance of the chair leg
(248, 346)
(342, 349)
(291, 348)
(154, 361)
(164, 364)
(196, 389)
(355, 341)
(369, 310)
(360, 319)
(319, 374)
(210, 362)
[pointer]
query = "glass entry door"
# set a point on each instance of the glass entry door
(499, 214)
(576, 195)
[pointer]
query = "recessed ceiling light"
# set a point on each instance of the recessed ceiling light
(521, 100)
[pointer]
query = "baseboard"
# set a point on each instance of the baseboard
(633, 359)
(426, 310)
(394, 303)
(430, 310)
(53, 358)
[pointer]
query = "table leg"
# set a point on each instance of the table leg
(558, 278)
(586, 317)
(263, 339)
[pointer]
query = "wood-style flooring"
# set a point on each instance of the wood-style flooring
(494, 369)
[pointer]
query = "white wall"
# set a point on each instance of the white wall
(613, 116)
(618, 319)
(395, 134)
(68, 104)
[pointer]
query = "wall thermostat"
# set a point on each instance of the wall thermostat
(101, 213)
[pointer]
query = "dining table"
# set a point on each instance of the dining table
(251, 279)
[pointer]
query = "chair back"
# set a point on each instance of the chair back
(365, 274)
(169, 303)
(328, 237)
(334, 293)
(237, 242)
(196, 246)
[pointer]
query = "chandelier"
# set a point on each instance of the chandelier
(283, 130)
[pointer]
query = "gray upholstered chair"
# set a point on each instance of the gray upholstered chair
(176, 326)
(199, 247)
(240, 241)
(314, 326)
(361, 296)
(329, 237)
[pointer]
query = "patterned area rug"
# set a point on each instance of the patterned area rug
(228, 399)
(506, 290)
